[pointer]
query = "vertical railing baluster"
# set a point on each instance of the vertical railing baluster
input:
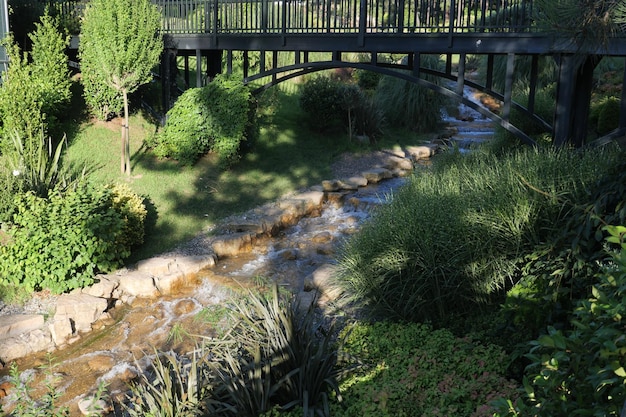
(451, 16)
(400, 16)
(264, 17)
(483, 18)
(284, 22)
(327, 17)
(362, 22)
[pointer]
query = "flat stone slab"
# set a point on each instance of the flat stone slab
(376, 175)
(19, 323)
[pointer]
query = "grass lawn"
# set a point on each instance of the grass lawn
(188, 199)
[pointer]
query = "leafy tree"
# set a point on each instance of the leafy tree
(119, 45)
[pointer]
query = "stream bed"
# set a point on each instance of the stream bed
(120, 346)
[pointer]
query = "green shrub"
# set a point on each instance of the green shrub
(608, 115)
(133, 211)
(320, 99)
(216, 118)
(451, 239)
(580, 370)
(60, 242)
(415, 370)
(103, 101)
(367, 80)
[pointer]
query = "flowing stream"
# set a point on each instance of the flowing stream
(122, 344)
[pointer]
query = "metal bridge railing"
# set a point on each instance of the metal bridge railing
(335, 16)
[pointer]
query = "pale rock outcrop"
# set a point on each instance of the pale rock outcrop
(19, 324)
(233, 244)
(81, 310)
(103, 288)
(422, 152)
(25, 344)
(137, 284)
(322, 280)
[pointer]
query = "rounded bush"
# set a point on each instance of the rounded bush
(133, 211)
(320, 99)
(216, 118)
(608, 115)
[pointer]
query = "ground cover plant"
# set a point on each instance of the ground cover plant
(416, 370)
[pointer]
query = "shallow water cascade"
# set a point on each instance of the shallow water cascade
(468, 128)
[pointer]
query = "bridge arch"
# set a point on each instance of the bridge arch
(411, 74)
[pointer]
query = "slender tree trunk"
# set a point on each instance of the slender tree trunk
(126, 139)
(123, 149)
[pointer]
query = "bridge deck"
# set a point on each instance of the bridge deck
(420, 26)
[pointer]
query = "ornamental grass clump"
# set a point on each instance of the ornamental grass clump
(276, 354)
(453, 238)
(173, 385)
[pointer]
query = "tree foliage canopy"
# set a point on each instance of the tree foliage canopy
(120, 43)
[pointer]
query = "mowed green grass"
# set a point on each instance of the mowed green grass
(186, 200)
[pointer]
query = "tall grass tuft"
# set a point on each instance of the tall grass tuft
(277, 353)
(174, 386)
(451, 239)
(407, 104)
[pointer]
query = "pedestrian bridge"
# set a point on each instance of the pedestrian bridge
(266, 31)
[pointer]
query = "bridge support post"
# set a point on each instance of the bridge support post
(574, 85)
(622, 109)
